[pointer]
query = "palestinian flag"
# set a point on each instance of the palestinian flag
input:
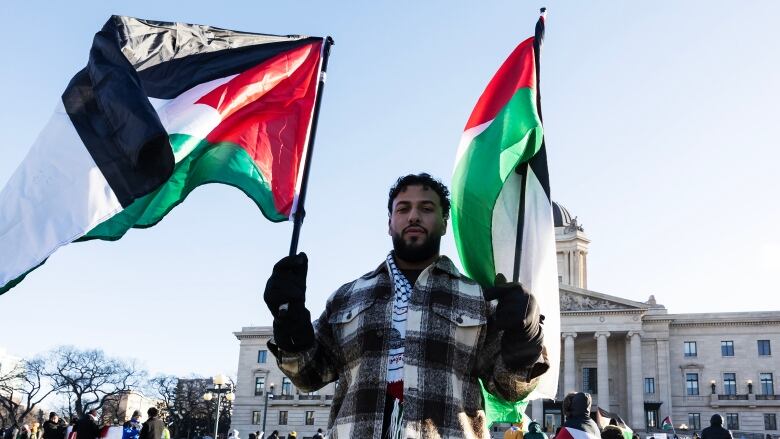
(502, 214)
(604, 418)
(666, 424)
(573, 433)
(160, 109)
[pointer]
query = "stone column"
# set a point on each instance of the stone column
(602, 371)
(537, 410)
(636, 381)
(569, 373)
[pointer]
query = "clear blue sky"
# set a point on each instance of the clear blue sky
(661, 124)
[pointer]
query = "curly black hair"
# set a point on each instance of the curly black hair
(425, 180)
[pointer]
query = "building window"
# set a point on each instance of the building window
(256, 420)
(287, 386)
(694, 421)
(689, 349)
(732, 421)
(310, 418)
(283, 417)
(651, 418)
(767, 384)
(764, 348)
(262, 355)
(770, 421)
(727, 348)
(649, 385)
(589, 381)
(259, 385)
(691, 384)
(730, 383)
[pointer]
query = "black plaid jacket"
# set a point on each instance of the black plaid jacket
(451, 340)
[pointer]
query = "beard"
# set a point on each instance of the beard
(417, 251)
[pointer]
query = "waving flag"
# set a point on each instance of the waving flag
(160, 109)
(502, 213)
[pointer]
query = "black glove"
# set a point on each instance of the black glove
(517, 314)
(285, 295)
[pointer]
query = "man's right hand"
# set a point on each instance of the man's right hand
(285, 295)
(287, 284)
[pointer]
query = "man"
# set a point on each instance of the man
(716, 430)
(318, 435)
(153, 427)
(132, 428)
(52, 428)
(408, 341)
(87, 427)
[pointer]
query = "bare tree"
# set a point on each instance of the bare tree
(23, 388)
(90, 378)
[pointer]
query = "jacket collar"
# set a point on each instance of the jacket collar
(442, 264)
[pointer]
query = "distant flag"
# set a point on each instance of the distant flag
(160, 109)
(666, 424)
(502, 213)
(604, 418)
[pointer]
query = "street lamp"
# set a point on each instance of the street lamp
(265, 410)
(712, 386)
(750, 386)
(219, 381)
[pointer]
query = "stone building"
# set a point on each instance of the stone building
(635, 358)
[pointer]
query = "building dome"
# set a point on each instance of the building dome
(561, 216)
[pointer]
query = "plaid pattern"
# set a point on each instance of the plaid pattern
(451, 340)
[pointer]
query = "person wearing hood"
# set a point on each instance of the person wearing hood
(716, 430)
(535, 431)
(576, 408)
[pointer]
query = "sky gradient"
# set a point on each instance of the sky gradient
(660, 122)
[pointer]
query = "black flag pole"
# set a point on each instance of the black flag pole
(300, 212)
(523, 168)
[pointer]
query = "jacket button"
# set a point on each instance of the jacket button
(459, 319)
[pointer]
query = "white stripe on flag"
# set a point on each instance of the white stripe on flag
(538, 265)
(55, 196)
(539, 274)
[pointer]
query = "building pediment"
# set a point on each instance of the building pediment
(578, 299)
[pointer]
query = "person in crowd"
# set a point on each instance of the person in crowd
(318, 435)
(24, 432)
(153, 427)
(87, 427)
(716, 430)
(292, 435)
(274, 435)
(612, 432)
(576, 408)
(425, 361)
(132, 428)
(52, 428)
(535, 431)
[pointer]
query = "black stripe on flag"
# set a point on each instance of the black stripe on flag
(131, 60)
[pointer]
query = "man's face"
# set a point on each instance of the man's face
(55, 419)
(416, 224)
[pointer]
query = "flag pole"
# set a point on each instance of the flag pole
(300, 213)
(523, 168)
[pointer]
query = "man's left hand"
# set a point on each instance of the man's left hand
(517, 314)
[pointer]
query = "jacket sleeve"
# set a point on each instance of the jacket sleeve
(315, 367)
(498, 379)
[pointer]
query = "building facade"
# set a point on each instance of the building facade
(634, 358)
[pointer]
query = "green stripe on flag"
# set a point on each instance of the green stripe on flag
(224, 163)
(512, 138)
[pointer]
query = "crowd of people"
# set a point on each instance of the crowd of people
(90, 427)
(576, 411)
